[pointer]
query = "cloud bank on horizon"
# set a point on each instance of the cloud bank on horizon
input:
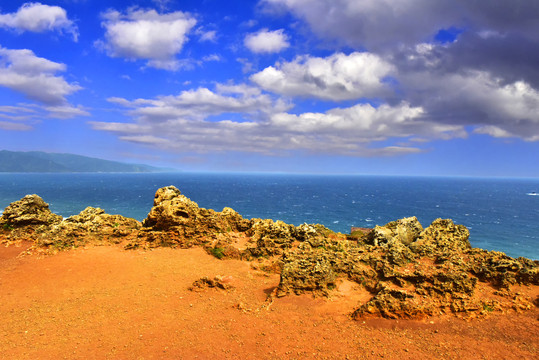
(273, 78)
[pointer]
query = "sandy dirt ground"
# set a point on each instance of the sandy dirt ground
(109, 303)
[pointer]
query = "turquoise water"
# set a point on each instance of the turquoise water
(500, 213)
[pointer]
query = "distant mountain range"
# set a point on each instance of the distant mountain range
(42, 162)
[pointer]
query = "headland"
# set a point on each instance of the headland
(262, 274)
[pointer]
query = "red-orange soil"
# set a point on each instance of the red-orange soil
(109, 303)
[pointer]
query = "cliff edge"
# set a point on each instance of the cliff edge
(407, 271)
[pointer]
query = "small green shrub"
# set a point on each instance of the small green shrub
(7, 226)
(332, 286)
(218, 252)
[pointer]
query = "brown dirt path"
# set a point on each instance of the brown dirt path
(108, 303)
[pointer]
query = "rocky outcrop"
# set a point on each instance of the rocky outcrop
(93, 220)
(270, 238)
(307, 271)
(31, 210)
(501, 270)
(173, 211)
(31, 219)
(410, 271)
(90, 226)
(441, 236)
(404, 231)
(175, 220)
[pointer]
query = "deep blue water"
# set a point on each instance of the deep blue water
(499, 212)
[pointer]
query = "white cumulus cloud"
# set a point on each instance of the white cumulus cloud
(35, 77)
(337, 77)
(201, 103)
(37, 17)
(364, 123)
(202, 120)
(148, 35)
(484, 79)
(356, 130)
(265, 41)
(242, 118)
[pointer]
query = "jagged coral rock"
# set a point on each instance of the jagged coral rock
(92, 225)
(275, 238)
(411, 273)
(96, 220)
(32, 220)
(270, 237)
(426, 291)
(176, 220)
(403, 230)
(165, 194)
(30, 210)
(307, 271)
(395, 236)
(442, 235)
(502, 270)
(171, 209)
(87, 215)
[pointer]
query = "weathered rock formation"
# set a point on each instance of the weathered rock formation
(90, 226)
(410, 271)
(30, 210)
(31, 219)
(177, 221)
(404, 231)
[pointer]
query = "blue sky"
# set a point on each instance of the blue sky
(415, 87)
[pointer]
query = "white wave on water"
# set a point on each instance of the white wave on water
(532, 194)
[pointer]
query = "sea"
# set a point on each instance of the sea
(502, 214)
